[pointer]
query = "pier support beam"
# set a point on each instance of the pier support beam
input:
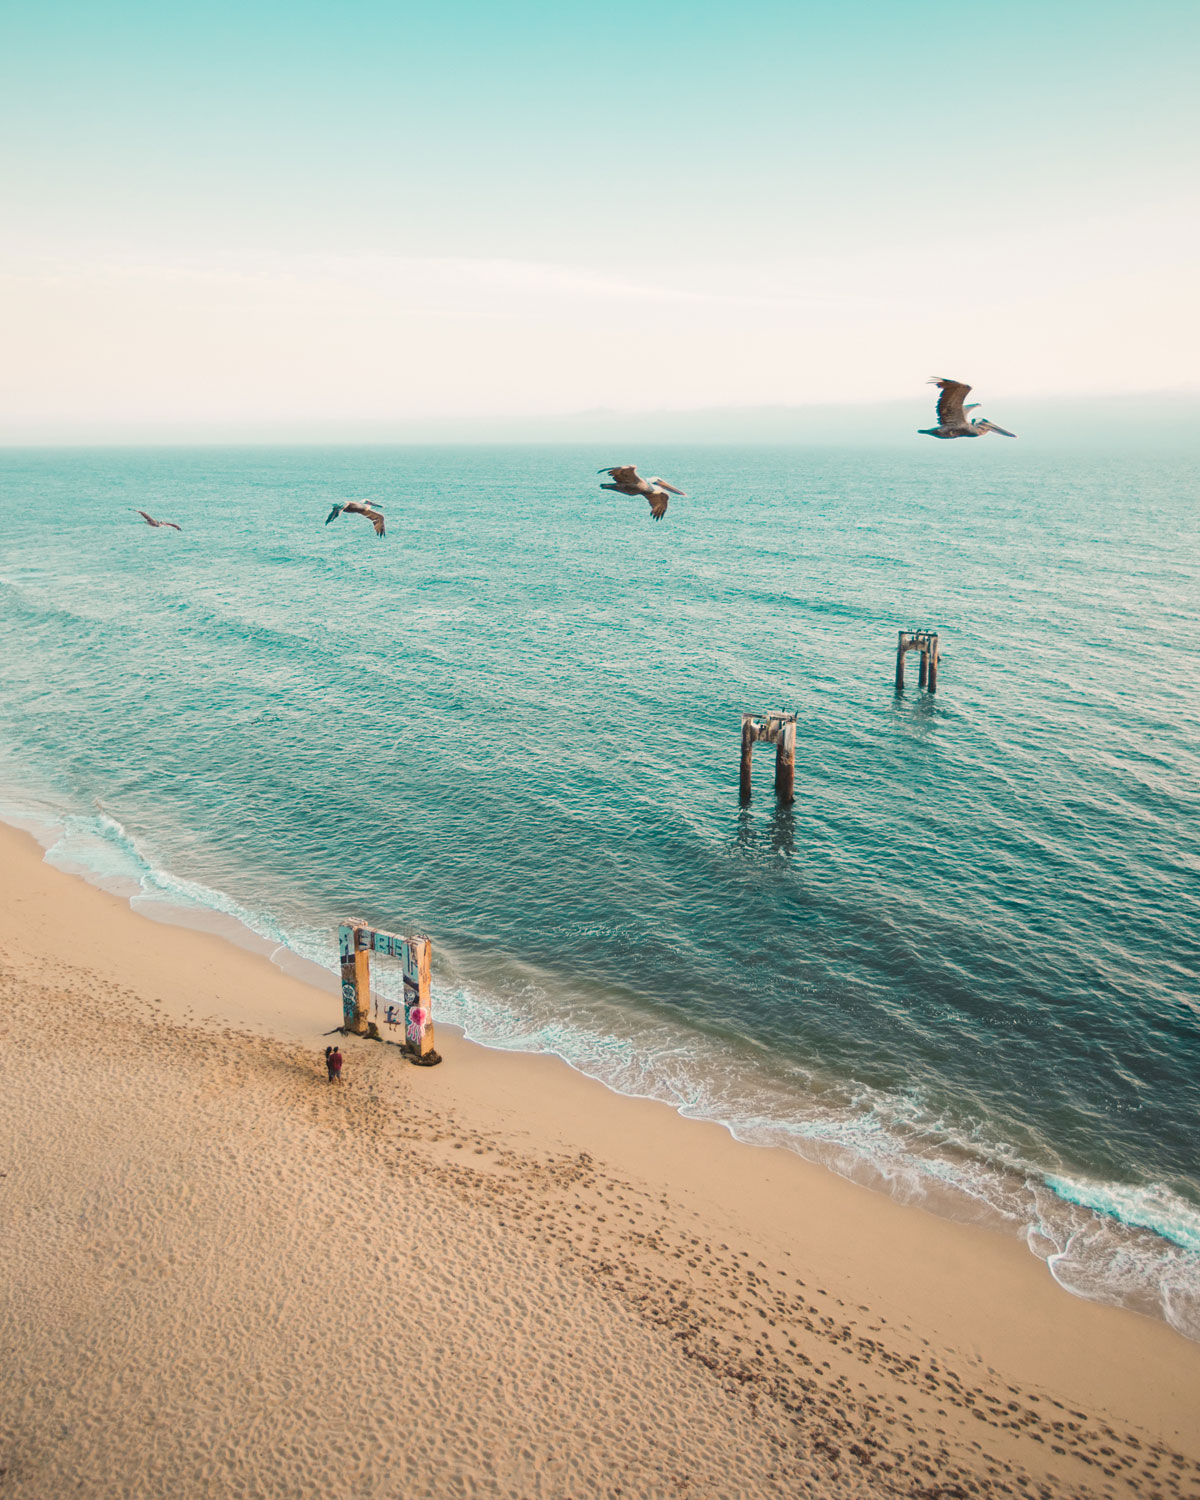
(785, 763)
(744, 783)
(778, 729)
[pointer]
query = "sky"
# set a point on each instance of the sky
(267, 214)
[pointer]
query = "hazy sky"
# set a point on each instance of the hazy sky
(255, 211)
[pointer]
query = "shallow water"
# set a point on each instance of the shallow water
(966, 963)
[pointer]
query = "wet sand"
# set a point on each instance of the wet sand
(221, 1275)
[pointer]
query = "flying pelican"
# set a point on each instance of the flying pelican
(150, 521)
(359, 508)
(952, 414)
(627, 481)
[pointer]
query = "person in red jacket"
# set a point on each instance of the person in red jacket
(335, 1065)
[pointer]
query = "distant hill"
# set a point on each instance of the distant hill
(1172, 417)
(1157, 419)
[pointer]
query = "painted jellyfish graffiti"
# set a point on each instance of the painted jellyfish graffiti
(416, 1007)
(356, 943)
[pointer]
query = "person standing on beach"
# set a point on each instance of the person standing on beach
(329, 1062)
(335, 1065)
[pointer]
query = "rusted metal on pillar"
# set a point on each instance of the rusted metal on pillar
(778, 729)
(926, 642)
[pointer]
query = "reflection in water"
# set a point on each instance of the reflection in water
(783, 829)
(918, 705)
(778, 830)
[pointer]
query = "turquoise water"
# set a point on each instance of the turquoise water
(965, 966)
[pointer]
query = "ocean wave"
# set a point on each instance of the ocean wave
(1154, 1206)
(99, 847)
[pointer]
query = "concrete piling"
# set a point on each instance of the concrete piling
(744, 784)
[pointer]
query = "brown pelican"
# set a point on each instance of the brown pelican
(150, 521)
(359, 508)
(627, 481)
(952, 414)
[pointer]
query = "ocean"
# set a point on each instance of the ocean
(963, 967)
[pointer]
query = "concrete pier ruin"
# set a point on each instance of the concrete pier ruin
(778, 729)
(926, 642)
(356, 943)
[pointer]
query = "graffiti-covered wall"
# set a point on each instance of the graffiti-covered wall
(349, 965)
(356, 943)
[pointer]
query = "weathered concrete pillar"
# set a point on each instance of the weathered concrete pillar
(745, 784)
(356, 978)
(362, 992)
(931, 684)
(785, 764)
(923, 669)
(900, 664)
(349, 973)
(422, 1045)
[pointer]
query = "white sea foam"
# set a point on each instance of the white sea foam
(1129, 1246)
(1154, 1206)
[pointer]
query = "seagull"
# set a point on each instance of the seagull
(952, 414)
(359, 508)
(150, 521)
(629, 482)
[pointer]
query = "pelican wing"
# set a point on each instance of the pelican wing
(174, 525)
(950, 402)
(376, 519)
(334, 514)
(658, 504)
(623, 474)
(149, 519)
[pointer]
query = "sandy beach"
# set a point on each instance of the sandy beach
(221, 1275)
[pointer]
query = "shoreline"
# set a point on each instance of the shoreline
(1121, 1258)
(882, 1298)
